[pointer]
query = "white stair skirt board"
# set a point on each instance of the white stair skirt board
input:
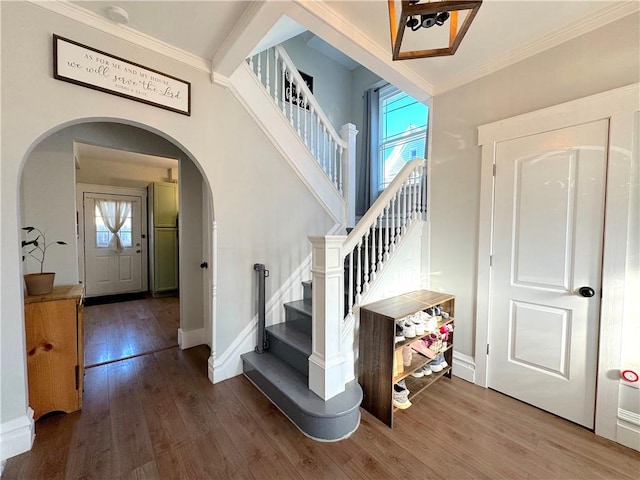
(252, 95)
(464, 366)
(229, 364)
(191, 338)
(17, 435)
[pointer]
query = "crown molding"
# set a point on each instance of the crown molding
(128, 34)
(341, 27)
(566, 33)
(238, 29)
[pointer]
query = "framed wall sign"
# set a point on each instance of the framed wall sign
(291, 90)
(89, 67)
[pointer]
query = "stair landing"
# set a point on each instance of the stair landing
(287, 388)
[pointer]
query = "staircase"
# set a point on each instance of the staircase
(282, 374)
(307, 369)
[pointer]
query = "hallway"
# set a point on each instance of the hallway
(115, 331)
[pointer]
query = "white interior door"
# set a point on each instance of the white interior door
(547, 245)
(108, 272)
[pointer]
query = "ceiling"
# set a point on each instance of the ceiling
(502, 33)
(86, 152)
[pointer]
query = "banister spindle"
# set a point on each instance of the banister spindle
(275, 75)
(406, 188)
(312, 130)
(268, 74)
(366, 261)
(380, 220)
(340, 168)
(284, 96)
(386, 242)
(359, 275)
(260, 68)
(393, 225)
(373, 252)
(350, 293)
(290, 99)
(298, 108)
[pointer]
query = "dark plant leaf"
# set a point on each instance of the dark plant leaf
(23, 258)
(29, 229)
(61, 243)
(35, 242)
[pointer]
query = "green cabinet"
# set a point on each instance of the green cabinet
(163, 238)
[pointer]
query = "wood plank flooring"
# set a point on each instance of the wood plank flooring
(157, 416)
(114, 331)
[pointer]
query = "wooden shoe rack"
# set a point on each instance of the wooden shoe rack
(378, 349)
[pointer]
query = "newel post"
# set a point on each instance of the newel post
(348, 133)
(326, 363)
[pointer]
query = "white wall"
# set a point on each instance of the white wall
(331, 80)
(263, 211)
(48, 203)
(598, 61)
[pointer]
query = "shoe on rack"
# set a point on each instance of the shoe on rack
(426, 370)
(436, 367)
(399, 335)
(418, 323)
(408, 329)
(400, 397)
(403, 384)
(406, 355)
(418, 373)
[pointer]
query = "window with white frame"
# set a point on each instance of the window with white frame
(402, 132)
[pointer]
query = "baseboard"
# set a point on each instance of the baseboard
(229, 364)
(628, 430)
(191, 338)
(464, 366)
(17, 435)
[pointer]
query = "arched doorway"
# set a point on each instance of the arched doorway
(48, 197)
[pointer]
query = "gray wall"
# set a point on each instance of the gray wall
(331, 80)
(603, 59)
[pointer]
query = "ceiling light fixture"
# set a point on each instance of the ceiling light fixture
(117, 14)
(416, 15)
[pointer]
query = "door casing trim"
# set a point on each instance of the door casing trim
(619, 106)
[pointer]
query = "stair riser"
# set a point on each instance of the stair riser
(306, 290)
(298, 319)
(292, 356)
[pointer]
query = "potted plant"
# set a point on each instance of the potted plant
(38, 283)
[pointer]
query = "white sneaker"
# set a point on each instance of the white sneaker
(408, 329)
(400, 397)
(436, 367)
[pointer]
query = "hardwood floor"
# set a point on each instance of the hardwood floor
(158, 416)
(114, 331)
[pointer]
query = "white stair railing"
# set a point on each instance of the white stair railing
(365, 251)
(284, 84)
(370, 244)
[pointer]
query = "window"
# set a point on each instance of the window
(104, 235)
(402, 132)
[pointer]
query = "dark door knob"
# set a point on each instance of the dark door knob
(204, 265)
(586, 292)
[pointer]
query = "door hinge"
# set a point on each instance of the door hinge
(77, 377)
(487, 349)
(491, 260)
(494, 169)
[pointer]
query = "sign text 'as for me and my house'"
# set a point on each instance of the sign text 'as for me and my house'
(86, 66)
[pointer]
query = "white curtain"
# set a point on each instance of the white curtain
(114, 214)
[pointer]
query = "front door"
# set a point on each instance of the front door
(111, 270)
(546, 275)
